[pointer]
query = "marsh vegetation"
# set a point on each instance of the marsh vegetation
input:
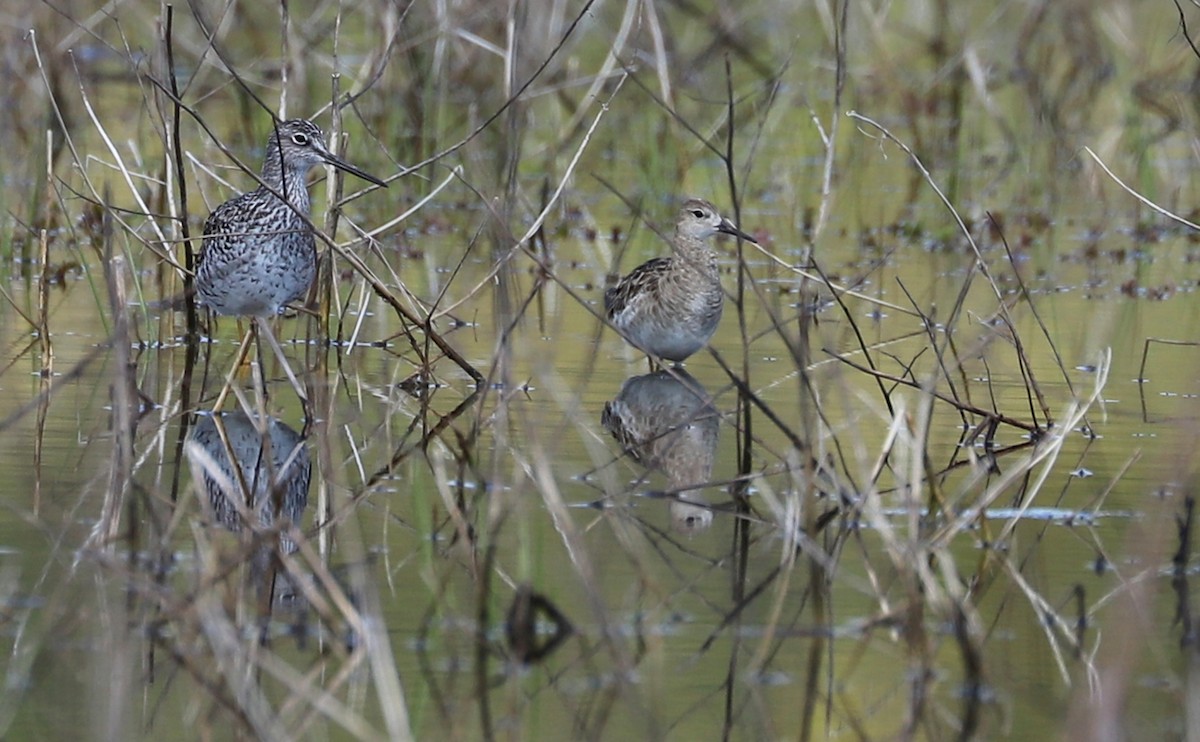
(930, 479)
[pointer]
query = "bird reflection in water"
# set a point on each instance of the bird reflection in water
(267, 491)
(666, 421)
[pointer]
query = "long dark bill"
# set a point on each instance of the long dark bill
(341, 164)
(727, 227)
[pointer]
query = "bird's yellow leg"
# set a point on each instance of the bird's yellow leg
(243, 351)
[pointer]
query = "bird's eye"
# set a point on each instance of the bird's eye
(300, 139)
(698, 213)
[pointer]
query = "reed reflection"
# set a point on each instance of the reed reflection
(666, 421)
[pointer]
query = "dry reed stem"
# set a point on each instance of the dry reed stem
(542, 477)
(904, 448)
(121, 167)
(319, 699)
(368, 237)
(839, 27)
(981, 264)
(234, 665)
(521, 243)
(1044, 455)
(45, 367)
(1145, 201)
(172, 143)
(264, 330)
(231, 375)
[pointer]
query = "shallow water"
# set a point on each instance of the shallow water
(827, 601)
(658, 583)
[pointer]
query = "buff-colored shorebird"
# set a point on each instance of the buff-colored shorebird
(670, 307)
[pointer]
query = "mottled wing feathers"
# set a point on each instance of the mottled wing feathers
(231, 222)
(642, 280)
(216, 226)
(257, 256)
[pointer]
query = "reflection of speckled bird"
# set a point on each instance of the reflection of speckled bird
(670, 307)
(258, 252)
(277, 483)
(666, 421)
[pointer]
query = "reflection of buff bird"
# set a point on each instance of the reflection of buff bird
(259, 253)
(670, 307)
(666, 421)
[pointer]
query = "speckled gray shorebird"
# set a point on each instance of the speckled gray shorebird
(259, 253)
(669, 307)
